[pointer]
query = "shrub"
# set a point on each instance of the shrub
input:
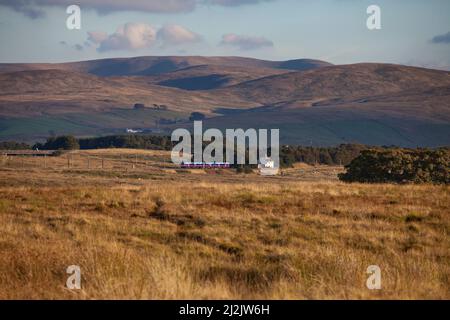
(400, 165)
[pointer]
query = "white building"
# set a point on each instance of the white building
(267, 167)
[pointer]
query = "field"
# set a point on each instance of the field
(140, 228)
(111, 122)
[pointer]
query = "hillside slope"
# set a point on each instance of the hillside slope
(38, 92)
(367, 103)
(409, 118)
(344, 81)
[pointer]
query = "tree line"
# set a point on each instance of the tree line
(339, 155)
(362, 163)
(115, 141)
(12, 145)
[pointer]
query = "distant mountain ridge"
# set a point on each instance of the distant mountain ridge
(310, 101)
(155, 65)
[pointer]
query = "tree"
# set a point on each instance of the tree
(400, 165)
(61, 143)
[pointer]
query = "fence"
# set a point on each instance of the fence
(80, 161)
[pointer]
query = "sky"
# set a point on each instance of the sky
(413, 32)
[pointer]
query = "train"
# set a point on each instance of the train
(205, 165)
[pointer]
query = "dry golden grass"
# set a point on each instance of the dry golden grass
(153, 235)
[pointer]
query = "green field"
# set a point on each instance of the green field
(82, 124)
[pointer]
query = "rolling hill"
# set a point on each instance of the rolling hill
(207, 77)
(409, 118)
(311, 101)
(340, 82)
(149, 66)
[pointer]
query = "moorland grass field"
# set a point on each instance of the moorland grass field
(140, 228)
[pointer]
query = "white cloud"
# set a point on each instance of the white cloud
(131, 36)
(97, 37)
(174, 34)
(136, 36)
(245, 42)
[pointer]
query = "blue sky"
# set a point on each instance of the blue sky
(332, 30)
